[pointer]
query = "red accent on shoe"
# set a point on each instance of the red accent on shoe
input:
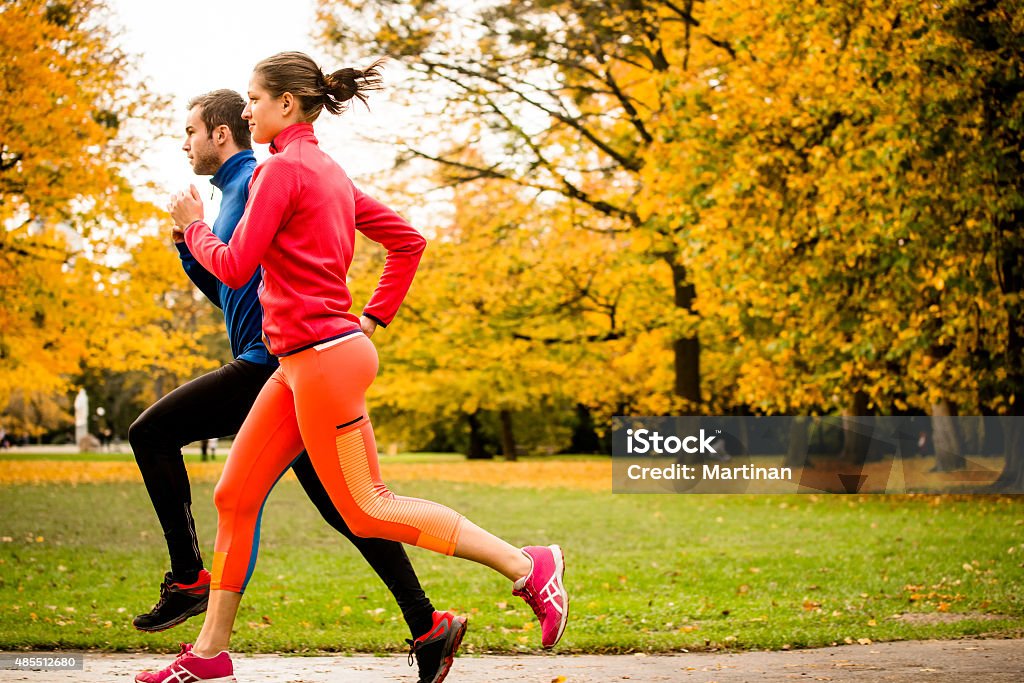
(201, 584)
(446, 627)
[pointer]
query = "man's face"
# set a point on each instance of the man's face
(199, 146)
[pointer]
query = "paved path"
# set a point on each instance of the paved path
(992, 661)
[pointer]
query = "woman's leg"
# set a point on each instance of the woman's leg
(330, 383)
(387, 558)
(265, 447)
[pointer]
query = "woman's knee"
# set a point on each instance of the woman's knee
(362, 525)
(230, 499)
(368, 520)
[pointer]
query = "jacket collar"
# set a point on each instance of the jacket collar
(295, 131)
(231, 167)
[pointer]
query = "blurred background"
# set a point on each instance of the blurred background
(633, 207)
(642, 207)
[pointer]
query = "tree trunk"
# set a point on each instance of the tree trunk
(686, 351)
(1012, 478)
(856, 441)
(1012, 271)
(946, 437)
(973, 431)
(476, 439)
(508, 438)
(796, 453)
(744, 436)
(584, 436)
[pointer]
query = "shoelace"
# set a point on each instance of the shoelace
(164, 592)
(181, 655)
(413, 647)
(539, 609)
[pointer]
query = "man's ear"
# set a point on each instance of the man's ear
(221, 134)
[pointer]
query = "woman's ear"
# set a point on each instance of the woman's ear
(287, 103)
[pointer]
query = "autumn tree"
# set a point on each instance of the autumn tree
(553, 85)
(855, 160)
(511, 315)
(833, 191)
(69, 212)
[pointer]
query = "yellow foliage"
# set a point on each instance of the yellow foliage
(69, 214)
(588, 475)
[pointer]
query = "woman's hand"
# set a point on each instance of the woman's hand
(368, 325)
(186, 207)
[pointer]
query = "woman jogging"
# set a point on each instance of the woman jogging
(299, 227)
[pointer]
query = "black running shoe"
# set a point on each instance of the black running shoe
(177, 603)
(435, 650)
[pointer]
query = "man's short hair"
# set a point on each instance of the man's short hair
(223, 108)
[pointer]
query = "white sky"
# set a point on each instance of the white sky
(188, 47)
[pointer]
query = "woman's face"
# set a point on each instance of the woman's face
(267, 115)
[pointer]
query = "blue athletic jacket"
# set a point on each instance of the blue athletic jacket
(243, 314)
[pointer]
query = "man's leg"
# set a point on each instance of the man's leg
(212, 405)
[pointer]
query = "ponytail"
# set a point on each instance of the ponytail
(296, 73)
(345, 84)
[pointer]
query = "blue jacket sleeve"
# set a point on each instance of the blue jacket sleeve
(202, 278)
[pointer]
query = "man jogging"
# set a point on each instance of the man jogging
(215, 405)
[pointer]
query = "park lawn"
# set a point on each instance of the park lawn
(123, 454)
(654, 573)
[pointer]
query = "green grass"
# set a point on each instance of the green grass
(646, 573)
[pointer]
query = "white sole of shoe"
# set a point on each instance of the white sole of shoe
(560, 568)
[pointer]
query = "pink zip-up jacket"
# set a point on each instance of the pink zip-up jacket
(299, 225)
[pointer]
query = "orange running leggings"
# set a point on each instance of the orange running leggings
(316, 401)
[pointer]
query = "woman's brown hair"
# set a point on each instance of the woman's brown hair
(297, 73)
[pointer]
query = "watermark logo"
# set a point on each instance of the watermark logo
(828, 454)
(644, 441)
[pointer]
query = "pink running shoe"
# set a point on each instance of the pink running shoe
(544, 591)
(191, 668)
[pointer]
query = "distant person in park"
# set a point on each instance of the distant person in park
(299, 229)
(217, 142)
(208, 449)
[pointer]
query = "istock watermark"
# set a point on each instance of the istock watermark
(725, 454)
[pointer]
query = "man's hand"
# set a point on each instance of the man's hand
(186, 207)
(177, 235)
(368, 325)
